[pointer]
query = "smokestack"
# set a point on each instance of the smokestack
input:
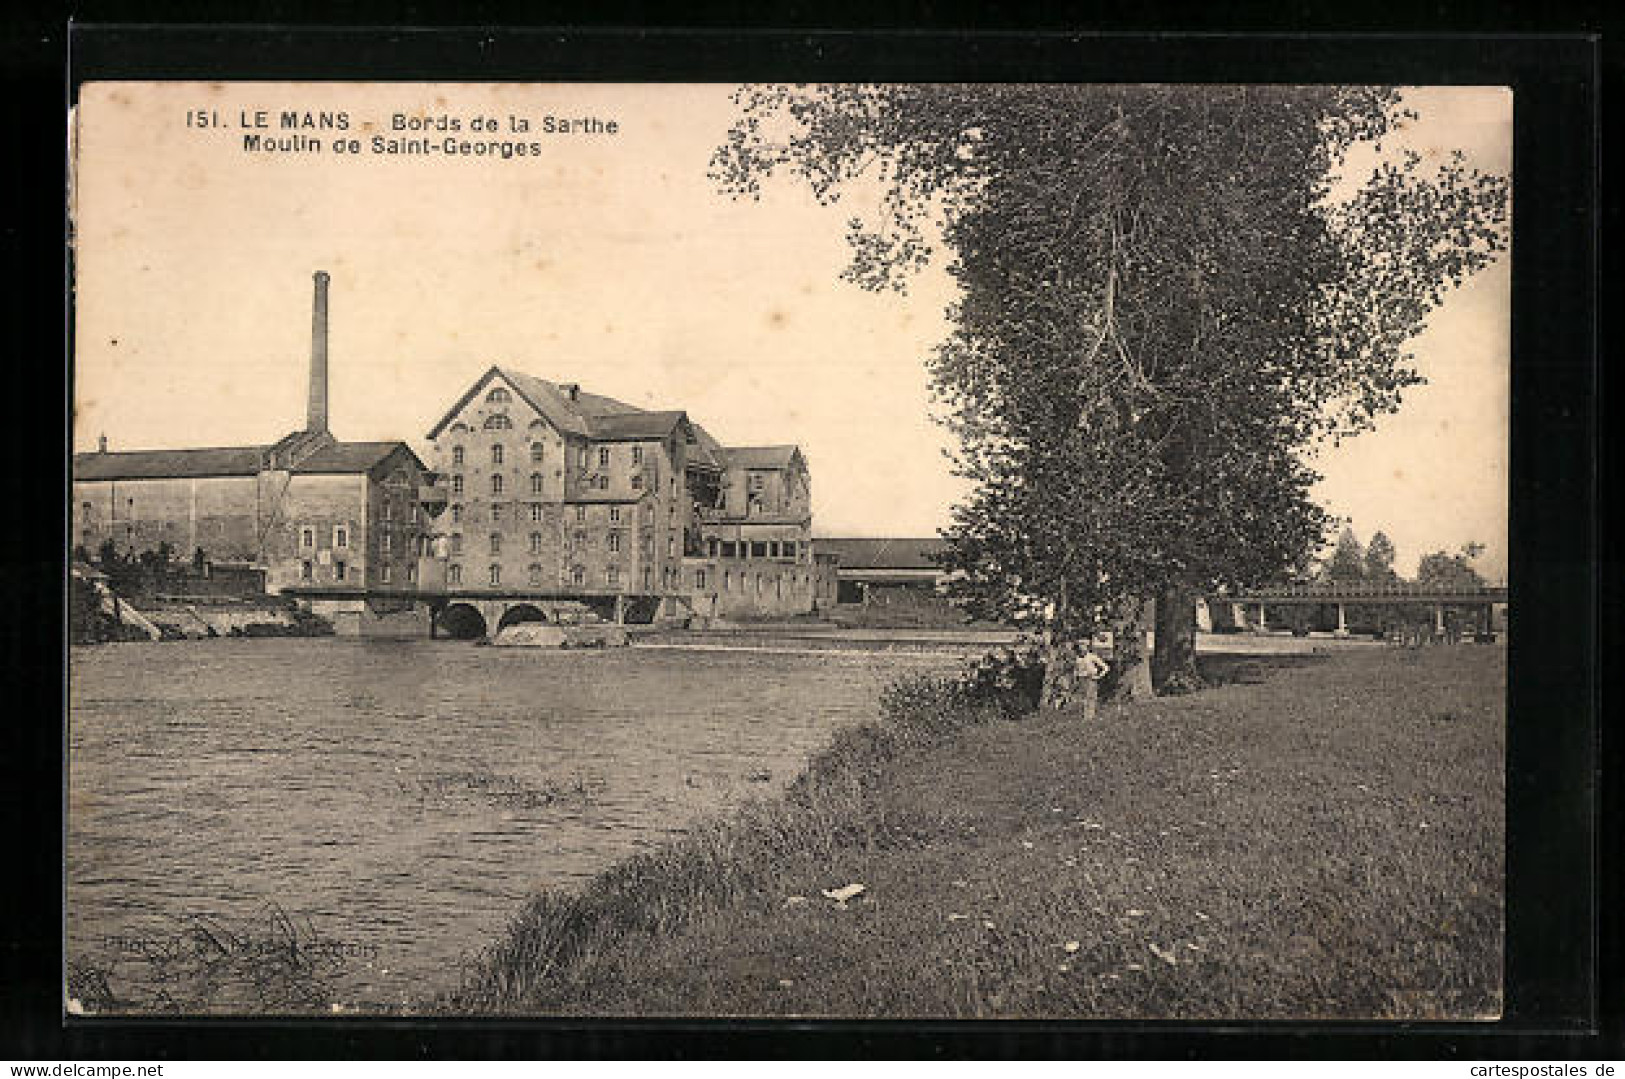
(101, 444)
(316, 414)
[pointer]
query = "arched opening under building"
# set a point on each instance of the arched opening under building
(462, 622)
(521, 612)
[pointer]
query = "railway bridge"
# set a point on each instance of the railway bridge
(1481, 599)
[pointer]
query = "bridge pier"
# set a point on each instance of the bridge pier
(1263, 622)
(1438, 620)
(1342, 621)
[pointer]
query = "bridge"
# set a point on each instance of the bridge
(1341, 594)
(469, 613)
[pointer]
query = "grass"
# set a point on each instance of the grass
(1312, 837)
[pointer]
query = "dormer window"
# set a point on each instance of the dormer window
(498, 396)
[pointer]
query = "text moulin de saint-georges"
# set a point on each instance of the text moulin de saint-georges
(296, 131)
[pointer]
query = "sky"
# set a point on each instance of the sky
(611, 260)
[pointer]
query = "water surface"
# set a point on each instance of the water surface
(406, 797)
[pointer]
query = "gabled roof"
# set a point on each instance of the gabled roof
(168, 464)
(352, 457)
(705, 450)
(571, 416)
(909, 553)
(336, 458)
(761, 456)
(639, 425)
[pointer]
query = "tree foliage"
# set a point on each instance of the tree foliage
(1456, 570)
(1164, 300)
(1347, 562)
(1379, 558)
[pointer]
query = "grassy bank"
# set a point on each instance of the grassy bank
(1318, 837)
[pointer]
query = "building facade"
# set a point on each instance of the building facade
(557, 494)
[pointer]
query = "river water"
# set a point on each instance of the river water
(404, 798)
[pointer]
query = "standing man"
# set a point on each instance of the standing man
(1090, 670)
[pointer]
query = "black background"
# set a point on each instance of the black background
(1562, 910)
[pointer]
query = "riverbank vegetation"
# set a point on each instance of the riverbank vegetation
(1313, 836)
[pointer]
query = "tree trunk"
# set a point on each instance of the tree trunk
(1173, 663)
(1131, 661)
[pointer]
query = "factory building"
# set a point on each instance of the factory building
(337, 522)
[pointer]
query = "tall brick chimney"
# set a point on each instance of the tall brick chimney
(316, 413)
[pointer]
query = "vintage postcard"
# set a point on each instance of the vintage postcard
(880, 551)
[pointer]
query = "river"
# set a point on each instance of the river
(402, 799)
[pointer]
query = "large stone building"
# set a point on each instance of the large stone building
(337, 522)
(554, 494)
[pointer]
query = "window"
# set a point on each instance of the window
(727, 580)
(341, 536)
(789, 547)
(772, 548)
(496, 513)
(615, 542)
(602, 483)
(386, 542)
(729, 549)
(671, 544)
(307, 570)
(454, 574)
(496, 454)
(457, 485)
(580, 537)
(339, 570)
(457, 543)
(533, 573)
(536, 453)
(535, 543)
(457, 457)
(603, 456)
(383, 573)
(612, 576)
(389, 510)
(614, 514)
(496, 485)
(535, 483)
(581, 513)
(755, 483)
(498, 396)
(699, 578)
(496, 574)
(535, 511)
(578, 575)
(758, 549)
(637, 481)
(411, 573)
(307, 537)
(648, 578)
(498, 422)
(637, 455)
(457, 515)
(84, 508)
(496, 543)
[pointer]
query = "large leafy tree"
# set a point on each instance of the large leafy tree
(1165, 300)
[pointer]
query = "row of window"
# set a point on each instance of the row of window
(612, 578)
(752, 548)
(538, 452)
(499, 511)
